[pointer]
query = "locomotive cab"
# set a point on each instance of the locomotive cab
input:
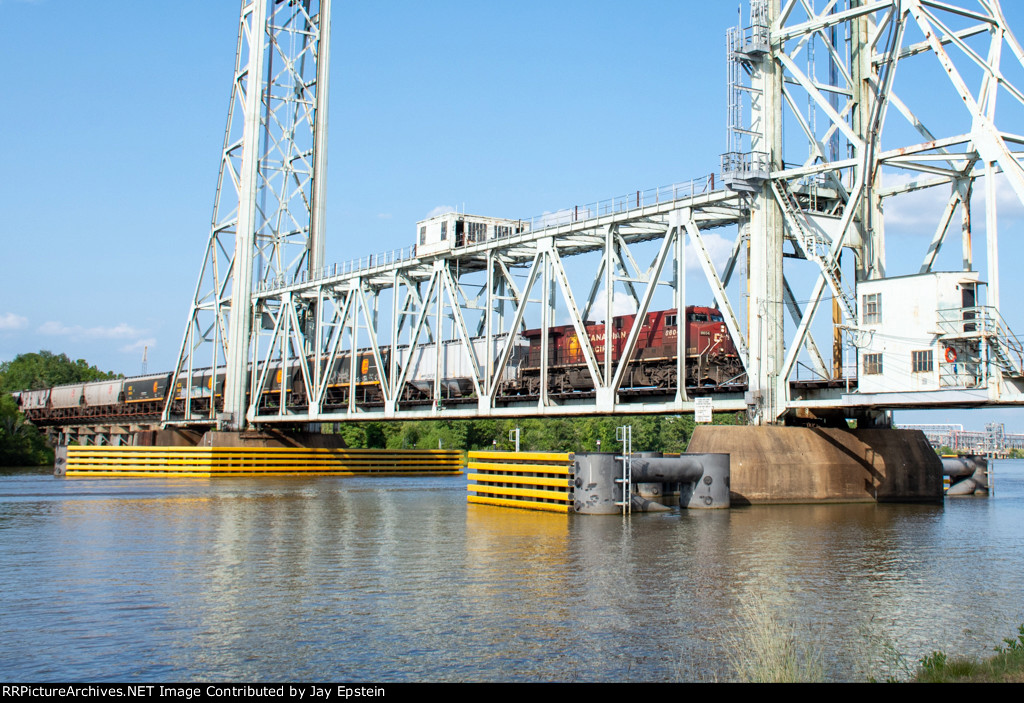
(711, 358)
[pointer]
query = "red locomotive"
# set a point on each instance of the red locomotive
(711, 358)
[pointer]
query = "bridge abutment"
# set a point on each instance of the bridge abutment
(772, 464)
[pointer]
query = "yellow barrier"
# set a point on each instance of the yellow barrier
(204, 462)
(534, 481)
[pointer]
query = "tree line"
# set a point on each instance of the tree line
(22, 444)
(661, 433)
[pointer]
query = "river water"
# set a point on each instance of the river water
(387, 579)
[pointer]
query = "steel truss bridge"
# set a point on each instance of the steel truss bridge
(805, 213)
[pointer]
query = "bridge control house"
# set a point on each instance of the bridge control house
(929, 332)
(453, 230)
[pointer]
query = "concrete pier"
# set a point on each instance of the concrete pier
(818, 465)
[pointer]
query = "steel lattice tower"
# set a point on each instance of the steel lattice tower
(267, 225)
(832, 198)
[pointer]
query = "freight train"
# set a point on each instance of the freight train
(711, 358)
(711, 363)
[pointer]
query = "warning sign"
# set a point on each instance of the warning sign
(702, 410)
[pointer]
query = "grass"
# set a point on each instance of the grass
(767, 650)
(1007, 666)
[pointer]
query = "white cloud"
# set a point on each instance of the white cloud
(718, 248)
(139, 345)
(918, 213)
(10, 321)
(439, 210)
(561, 217)
(120, 331)
(622, 304)
(53, 328)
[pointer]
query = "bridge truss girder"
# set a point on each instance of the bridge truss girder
(466, 306)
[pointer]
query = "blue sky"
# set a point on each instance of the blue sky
(113, 118)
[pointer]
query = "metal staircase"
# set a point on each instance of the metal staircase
(1007, 350)
(983, 327)
(815, 247)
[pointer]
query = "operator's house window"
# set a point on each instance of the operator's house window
(477, 231)
(423, 234)
(922, 361)
(872, 364)
(872, 307)
(671, 321)
(444, 230)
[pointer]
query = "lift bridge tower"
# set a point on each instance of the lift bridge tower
(268, 214)
(838, 111)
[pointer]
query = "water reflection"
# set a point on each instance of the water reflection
(391, 579)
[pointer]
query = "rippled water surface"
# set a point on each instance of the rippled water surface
(388, 579)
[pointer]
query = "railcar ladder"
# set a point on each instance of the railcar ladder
(624, 434)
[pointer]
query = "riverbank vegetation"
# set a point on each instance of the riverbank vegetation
(21, 444)
(766, 649)
(949, 451)
(1007, 666)
(653, 433)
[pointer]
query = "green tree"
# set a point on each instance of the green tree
(45, 369)
(654, 433)
(21, 444)
(676, 431)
